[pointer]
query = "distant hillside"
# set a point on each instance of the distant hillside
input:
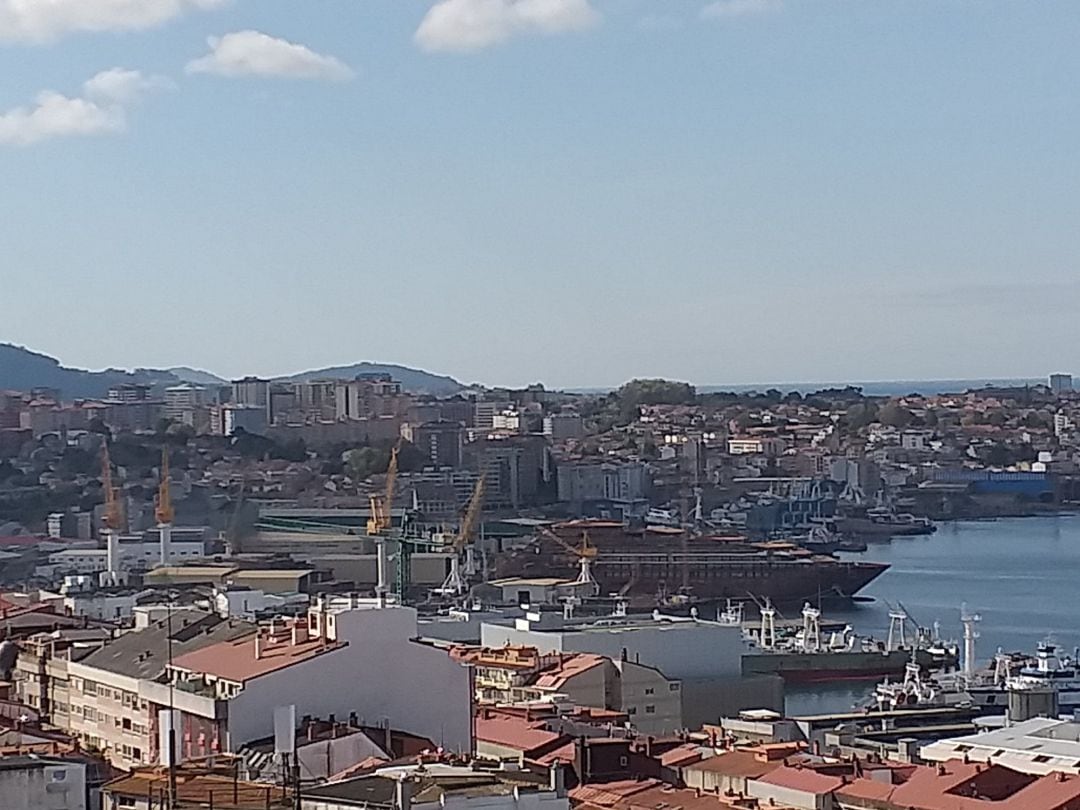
(22, 369)
(195, 376)
(412, 380)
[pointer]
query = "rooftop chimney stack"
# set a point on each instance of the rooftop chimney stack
(258, 644)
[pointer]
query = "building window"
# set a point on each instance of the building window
(674, 687)
(649, 690)
(623, 762)
(650, 710)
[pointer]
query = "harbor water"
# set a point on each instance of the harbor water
(1022, 575)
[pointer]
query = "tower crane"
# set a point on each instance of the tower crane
(163, 510)
(456, 583)
(380, 519)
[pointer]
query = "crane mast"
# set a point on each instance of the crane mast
(456, 582)
(164, 511)
(113, 521)
(380, 519)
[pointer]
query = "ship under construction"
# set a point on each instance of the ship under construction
(661, 565)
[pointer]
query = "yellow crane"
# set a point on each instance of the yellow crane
(380, 519)
(456, 582)
(585, 554)
(163, 509)
(114, 514)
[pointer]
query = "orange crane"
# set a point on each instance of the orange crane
(585, 554)
(456, 583)
(380, 519)
(114, 514)
(163, 510)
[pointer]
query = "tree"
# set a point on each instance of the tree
(632, 395)
(364, 462)
(861, 414)
(895, 415)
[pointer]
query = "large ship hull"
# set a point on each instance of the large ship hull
(820, 667)
(651, 567)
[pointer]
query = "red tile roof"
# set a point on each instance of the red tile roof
(235, 660)
(516, 733)
(804, 779)
(570, 667)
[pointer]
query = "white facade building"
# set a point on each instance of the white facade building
(349, 656)
(41, 783)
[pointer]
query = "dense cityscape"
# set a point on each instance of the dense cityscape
(589, 598)
(539, 405)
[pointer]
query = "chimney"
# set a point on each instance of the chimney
(258, 645)
(557, 779)
(311, 731)
(353, 720)
(403, 794)
(295, 633)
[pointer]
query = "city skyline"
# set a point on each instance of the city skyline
(576, 192)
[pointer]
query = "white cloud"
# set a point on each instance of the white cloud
(739, 8)
(119, 86)
(253, 53)
(470, 25)
(40, 20)
(101, 110)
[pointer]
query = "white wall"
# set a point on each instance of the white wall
(382, 674)
(60, 786)
(679, 650)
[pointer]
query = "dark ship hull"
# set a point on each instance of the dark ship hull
(655, 565)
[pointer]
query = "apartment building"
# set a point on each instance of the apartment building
(368, 651)
(517, 674)
(117, 690)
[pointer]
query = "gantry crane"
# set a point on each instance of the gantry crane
(163, 509)
(585, 554)
(114, 514)
(456, 582)
(113, 520)
(380, 519)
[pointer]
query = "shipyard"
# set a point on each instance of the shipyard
(687, 578)
(539, 405)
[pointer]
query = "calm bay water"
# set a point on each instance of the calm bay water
(1021, 575)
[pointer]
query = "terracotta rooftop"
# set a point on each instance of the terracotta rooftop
(749, 763)
(648, 794)
(803, 779)
(209, 790)
(517, 733)
(236, 660)
(569, 667)
(957, 785)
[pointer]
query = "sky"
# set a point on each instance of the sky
(575, 192)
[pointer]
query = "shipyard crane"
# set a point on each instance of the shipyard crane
(113, 520)
(585, 554)
(456, 583)
(163, 509)
(380, 519)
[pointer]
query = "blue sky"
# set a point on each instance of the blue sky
(570, 191)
